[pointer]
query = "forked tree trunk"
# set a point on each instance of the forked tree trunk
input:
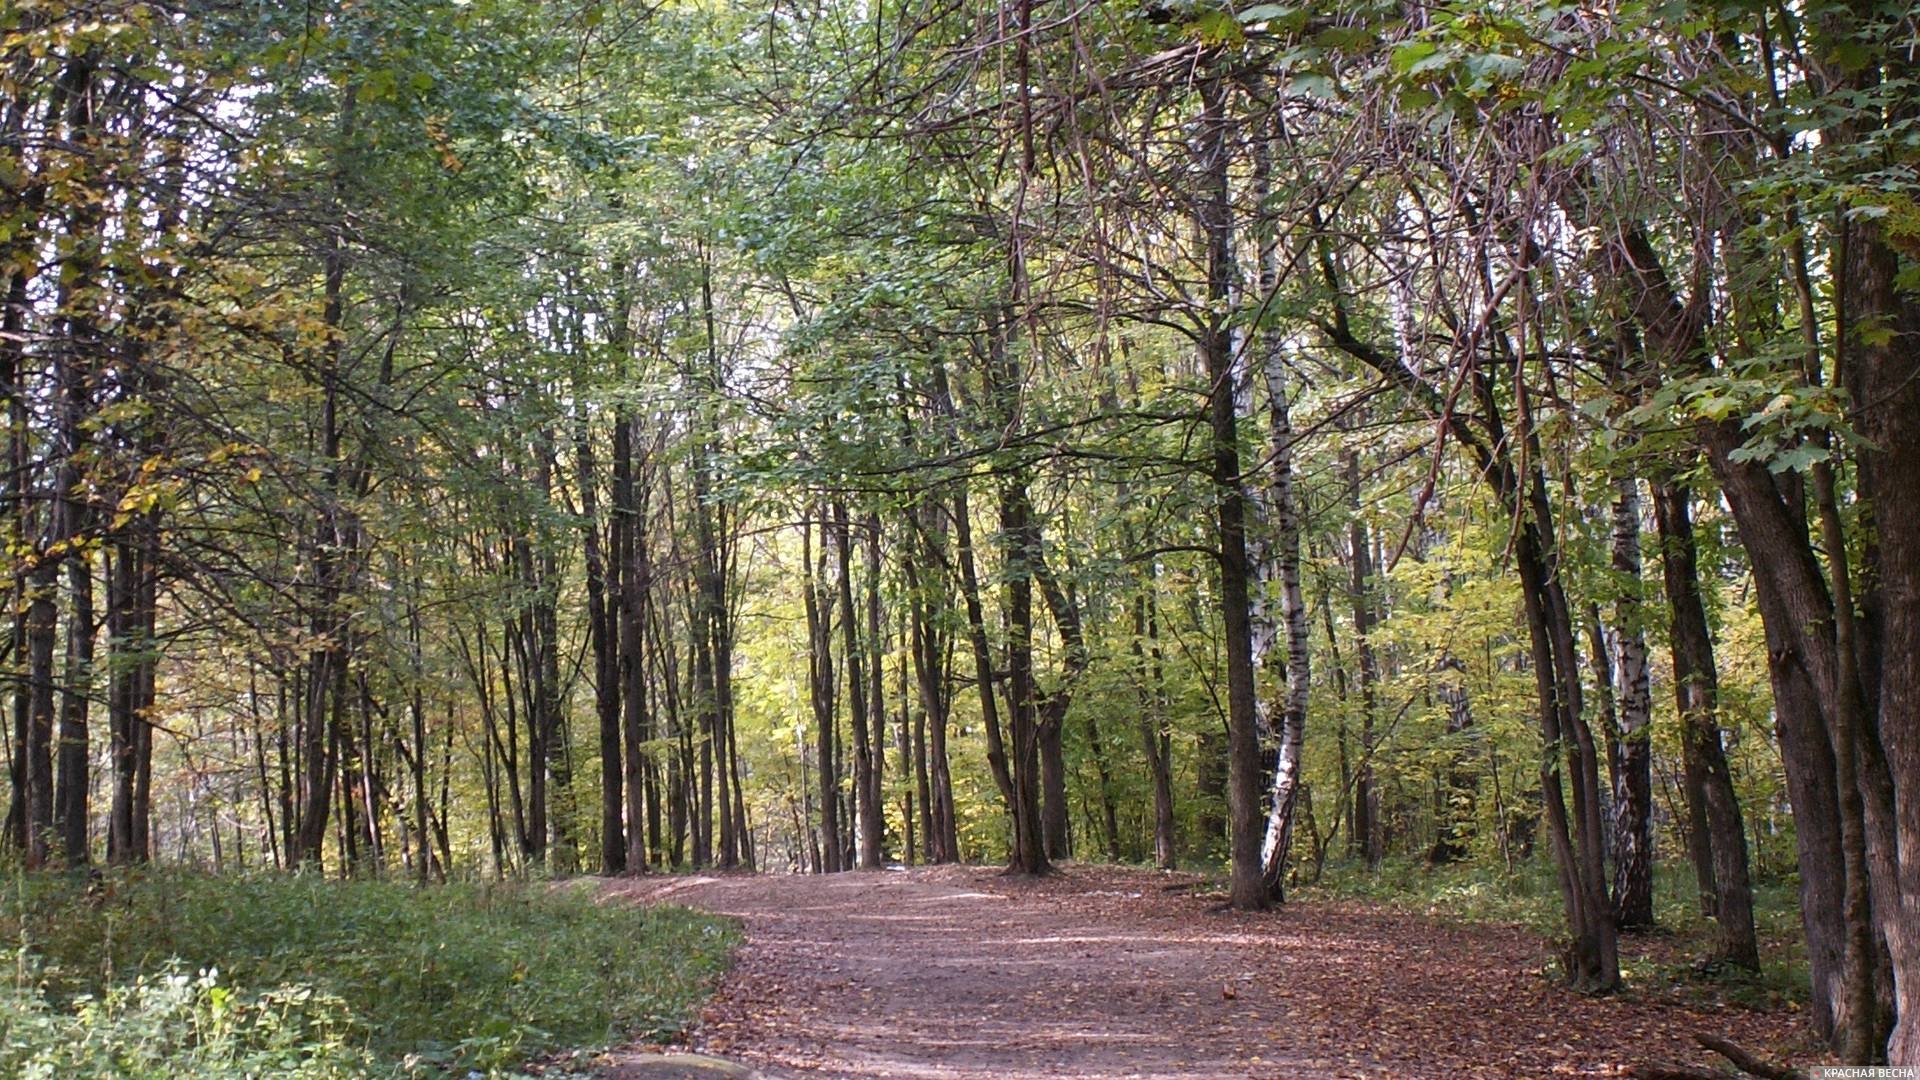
(1797, 613)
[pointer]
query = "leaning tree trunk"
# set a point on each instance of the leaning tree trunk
(983, 673)
(1593, 957)
(1568, 752)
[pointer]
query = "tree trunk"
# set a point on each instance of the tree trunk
(1881, 374)
(1798, 614)
(704, 727)
(930, 655)
(1277, 566)
(1365, 839)
(556, 737)
(876, 699)
(1593, 959)
(680, 779)
(1247, 890)
(1103, 774)
(1019, 549)
(866, 808)
(76, 694)
(1285, 789)
(819, 606)
(1056, 816)
(1568, 750)
(983, 672)
(633, 596)
(327, 659)
(603, 642)
(1154, 738)
(1633, 778)
(1053, 708)
(911, 748)
(1719, 829)
(42, 629)
(1459, 789)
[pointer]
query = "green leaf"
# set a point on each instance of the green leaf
(1266, 13)
(1344, 38)
(1799, 459)
(1216, 28)
(1407, 56)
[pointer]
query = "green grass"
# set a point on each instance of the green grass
(1666, 960)
(366, 976)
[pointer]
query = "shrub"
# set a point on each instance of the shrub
(460, 976)
(172, 1024)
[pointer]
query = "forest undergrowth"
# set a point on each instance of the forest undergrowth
(163, 973)
(1663, 960)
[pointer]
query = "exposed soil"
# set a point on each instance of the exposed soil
(967, 974)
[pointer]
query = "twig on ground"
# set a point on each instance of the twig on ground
(1746, 1062)
(1742, 1059)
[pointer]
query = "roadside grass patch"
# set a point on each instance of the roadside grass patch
(333, 978)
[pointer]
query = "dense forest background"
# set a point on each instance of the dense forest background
(472, 437)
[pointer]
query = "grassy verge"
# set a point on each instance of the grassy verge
(162, 973)
(1664, 960)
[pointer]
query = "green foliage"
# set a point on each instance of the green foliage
(174, 1024)
(1468, 891)
(466, 975)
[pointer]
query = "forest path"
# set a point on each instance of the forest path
(966, 974)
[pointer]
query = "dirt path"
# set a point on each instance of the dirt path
(964, 974)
